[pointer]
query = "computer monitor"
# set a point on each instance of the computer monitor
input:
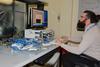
(39, 18)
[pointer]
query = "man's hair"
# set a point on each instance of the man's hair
(98, 18)
(91, 15)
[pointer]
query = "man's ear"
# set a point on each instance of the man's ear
(88, 21)
(6, 2)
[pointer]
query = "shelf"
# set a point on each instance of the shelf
(32, 1)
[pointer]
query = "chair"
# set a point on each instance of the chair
(95, 62)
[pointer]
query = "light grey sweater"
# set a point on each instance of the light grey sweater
(90, 44)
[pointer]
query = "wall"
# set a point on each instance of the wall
(53, 12)
(68, 12)
(93, 5)
(75, 19)
(60, 13)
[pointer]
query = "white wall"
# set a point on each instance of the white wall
(68, 12)
(62, 9)
(93, 5)
(75, 19)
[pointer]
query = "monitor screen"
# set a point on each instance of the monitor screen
(39, 18)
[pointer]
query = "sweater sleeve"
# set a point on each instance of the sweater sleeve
(85, 43)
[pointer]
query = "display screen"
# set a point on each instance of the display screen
(39, 18)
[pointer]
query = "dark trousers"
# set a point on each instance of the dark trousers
(70, 60)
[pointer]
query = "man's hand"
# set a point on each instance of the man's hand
(62, 39)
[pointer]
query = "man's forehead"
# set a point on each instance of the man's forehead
(83, 14)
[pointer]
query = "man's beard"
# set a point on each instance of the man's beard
(80, 26)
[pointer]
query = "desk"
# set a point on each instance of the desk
(9, 58)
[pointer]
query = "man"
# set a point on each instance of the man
(89, 46)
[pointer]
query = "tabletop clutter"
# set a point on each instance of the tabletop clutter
(29, 44)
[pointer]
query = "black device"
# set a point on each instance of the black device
(37, 18)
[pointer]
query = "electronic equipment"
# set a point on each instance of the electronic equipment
(37, 18)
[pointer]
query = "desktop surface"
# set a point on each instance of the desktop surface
(12, 58)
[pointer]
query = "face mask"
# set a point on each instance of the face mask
(80, 26)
